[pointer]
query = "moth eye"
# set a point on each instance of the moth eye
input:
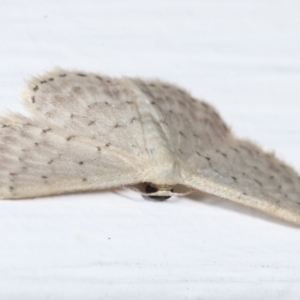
(151, 189)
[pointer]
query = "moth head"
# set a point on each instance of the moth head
(158, 192)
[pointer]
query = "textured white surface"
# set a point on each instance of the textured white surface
(244, 57)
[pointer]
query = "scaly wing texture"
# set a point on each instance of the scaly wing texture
(87, 104)
(189, 125)
(37, 159)
(84, 134)
(211, 159)
(240, 171)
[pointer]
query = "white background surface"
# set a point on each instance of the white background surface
(243, 57)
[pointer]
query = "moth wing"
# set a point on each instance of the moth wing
(87, 104)
(212, 160)
(240, 171)
(37, 160)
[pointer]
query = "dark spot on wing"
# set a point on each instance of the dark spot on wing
(70, 137)
(46, 130)
(222, 153)
(181, 133)
(205, 105)
(258, 182)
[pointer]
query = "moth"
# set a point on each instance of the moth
(91, 132)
